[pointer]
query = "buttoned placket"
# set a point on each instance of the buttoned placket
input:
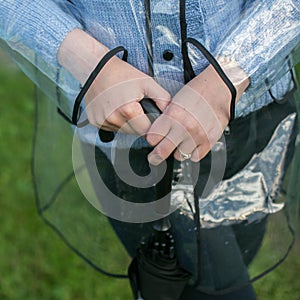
(163, 21)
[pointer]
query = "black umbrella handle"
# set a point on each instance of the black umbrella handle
(149, 108)
(164, 186)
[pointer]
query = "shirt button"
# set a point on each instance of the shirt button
(168, 55)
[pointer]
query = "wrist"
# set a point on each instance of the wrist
(79, 53)
(236, 74)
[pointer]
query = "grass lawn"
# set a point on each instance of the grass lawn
(35, 264)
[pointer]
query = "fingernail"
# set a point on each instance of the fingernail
(155, 159)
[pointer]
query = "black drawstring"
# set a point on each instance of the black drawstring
(219, 70)
(90, 80)
(188, 71)
(285, 97)
(149, 37)
(77, 104)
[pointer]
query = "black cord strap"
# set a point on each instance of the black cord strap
(147, 6)
(285, 97)
(188, 71)
(219, 70)
(90, 80)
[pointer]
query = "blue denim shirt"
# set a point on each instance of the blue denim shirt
(258, 35)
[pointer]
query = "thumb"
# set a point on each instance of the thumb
(159, 95)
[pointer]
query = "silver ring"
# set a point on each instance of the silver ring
(184, 156)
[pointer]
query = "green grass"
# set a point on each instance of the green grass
(35, 264)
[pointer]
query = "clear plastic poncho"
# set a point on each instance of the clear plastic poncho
(234, 218)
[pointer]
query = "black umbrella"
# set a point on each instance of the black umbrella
(154, 272)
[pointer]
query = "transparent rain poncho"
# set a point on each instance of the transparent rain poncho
(233, 214)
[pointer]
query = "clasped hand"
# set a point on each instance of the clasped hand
(191, 122)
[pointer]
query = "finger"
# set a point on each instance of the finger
(158, 94)
(161, 152)
(185, 149)
(200, 152)
(166, 146)
(117, 122)
(136, 118)
(159, 129)
(124, 128)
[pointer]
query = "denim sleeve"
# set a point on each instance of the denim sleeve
(263, 39)
(31, 31)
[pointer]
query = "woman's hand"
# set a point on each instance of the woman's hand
(112, 101)
(196, 117)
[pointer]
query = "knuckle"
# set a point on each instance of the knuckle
(153, 139)
(190, 126)
(129, 110)
(202, 133)
(111, 119)
(175, 111)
